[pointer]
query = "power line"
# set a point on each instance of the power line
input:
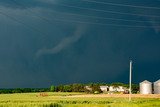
(102, 24)
(105, 18)
(20, 22)
(106, 11)
(124, 5)
(97, 17)
(73, 21)
(43, 18)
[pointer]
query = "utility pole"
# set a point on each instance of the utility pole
(130, 80)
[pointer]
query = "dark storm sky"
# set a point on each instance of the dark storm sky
(44, 42)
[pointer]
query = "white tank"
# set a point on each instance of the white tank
(157, 87)
(145, 87)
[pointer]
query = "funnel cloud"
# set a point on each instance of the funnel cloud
(64, 43)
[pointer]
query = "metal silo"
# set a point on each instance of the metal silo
(157, 87)
(145, 87)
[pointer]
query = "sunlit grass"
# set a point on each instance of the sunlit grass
(66, 100)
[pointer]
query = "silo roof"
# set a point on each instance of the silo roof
(158, 81)
(145, 81)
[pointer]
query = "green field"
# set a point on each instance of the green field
(70, 100)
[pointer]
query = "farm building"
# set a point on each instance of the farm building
(157, 87)
(145, 87)
(117, 89)
(104, 88)
(120, 89)
(112, 88)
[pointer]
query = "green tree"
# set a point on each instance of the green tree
(52, 88)
(95, 87)
(60, 88)
(67, 88)
(77, 87)
(135, 88)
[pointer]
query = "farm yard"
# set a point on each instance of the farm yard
(68, 99)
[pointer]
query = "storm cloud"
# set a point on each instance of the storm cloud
(43, 43)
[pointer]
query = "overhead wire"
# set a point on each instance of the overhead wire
(104, 18)
(66, 13)
(95, 23)
(62, 20)
(124, 5)
(22, 23)
(118, 19)
(106, 11)
(76, 21)
(42, 18)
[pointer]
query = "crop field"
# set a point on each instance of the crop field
(60, 99)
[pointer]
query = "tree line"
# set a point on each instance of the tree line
(77, 87)
(23, 90)
(95, 87)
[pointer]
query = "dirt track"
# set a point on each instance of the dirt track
(117, 95)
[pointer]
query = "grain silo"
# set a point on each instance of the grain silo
(157, 87)
(145, 87)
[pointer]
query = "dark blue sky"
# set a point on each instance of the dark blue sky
(44, 42)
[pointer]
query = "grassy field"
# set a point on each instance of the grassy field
(77, 100)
